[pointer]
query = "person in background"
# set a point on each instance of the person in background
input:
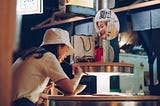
(36, 66)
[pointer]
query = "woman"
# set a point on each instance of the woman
(102, 27)
(107, 29)
(34, 68)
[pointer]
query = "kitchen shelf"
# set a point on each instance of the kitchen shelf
(138, 5)
(51, 22)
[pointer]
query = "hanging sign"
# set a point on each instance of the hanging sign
(106, 24)
(29, 6)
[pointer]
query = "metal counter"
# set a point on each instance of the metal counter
(89, 100)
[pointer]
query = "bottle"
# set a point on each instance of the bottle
(140, 92)
(98, 53)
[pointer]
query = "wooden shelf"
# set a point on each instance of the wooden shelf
(138, 5)
(50, 22)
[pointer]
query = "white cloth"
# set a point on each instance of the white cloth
(30, 76)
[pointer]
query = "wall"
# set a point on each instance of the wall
(133, 82)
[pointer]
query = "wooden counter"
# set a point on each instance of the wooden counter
(86, 100)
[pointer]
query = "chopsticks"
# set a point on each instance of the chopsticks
(67, 63)
(71, 65)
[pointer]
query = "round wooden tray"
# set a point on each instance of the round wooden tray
(116, 67)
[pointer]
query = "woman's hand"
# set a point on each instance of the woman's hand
(77, 70)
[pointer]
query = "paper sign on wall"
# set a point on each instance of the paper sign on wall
(29, 6)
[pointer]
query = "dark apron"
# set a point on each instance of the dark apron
(23, 102)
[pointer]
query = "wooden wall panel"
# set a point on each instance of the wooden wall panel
(7, 32)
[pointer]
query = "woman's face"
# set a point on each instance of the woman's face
(102, 28)
(63, 50)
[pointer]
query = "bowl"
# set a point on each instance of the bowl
(78, 90)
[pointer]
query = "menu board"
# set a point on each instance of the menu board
(106, 24)
(29, 6)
